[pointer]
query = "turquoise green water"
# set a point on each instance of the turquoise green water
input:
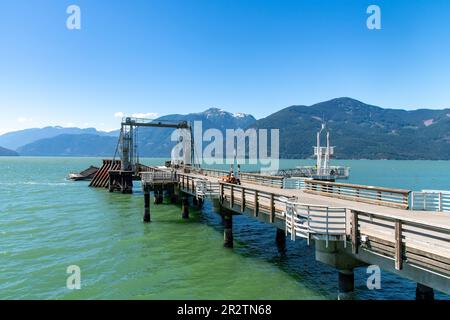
(48, 223)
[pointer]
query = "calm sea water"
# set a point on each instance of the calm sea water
(48, 223)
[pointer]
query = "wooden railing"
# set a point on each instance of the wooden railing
(210, 172)
(254, 178)
(206, 189)
(155, 177)
(336, 172)
(396, 198)
(294, 183)
(422, 245)
(247, 198)
(272, 181)
(187, 183)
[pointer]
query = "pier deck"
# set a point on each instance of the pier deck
(431, 218)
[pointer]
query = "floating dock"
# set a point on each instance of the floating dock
(87, 174)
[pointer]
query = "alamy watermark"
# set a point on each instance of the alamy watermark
(73, 281)
(73, 21)
(374, 280)
(374, 20)
(252, 146)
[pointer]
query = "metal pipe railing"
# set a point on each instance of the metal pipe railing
(431, 200)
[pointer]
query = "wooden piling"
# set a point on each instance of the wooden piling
(280, 238)
(185, 208)
(146, 206)
(228, 230)
(175, 195)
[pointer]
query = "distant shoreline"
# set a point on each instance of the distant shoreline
(168, 158)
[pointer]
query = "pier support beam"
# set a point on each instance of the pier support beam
(120, 180)
(195, 201)
(146, 206)
(346, 284)
(185, 207)
(228, 230)
(424, 293)
(280, 240)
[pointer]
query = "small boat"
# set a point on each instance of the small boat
(87, 174)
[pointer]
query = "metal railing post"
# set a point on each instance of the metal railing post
(398, 245)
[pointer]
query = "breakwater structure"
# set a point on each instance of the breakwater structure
(401, 231)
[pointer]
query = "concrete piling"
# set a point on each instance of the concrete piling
(424, 293)
(346, 284)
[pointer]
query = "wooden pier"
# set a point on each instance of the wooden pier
(350, 225)
(403, 232)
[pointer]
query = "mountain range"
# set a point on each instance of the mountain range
(7, 153)
(362, 131)
(358, 130)
(16, 139)
(152, 142)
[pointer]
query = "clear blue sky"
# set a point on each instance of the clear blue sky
(250, 56)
